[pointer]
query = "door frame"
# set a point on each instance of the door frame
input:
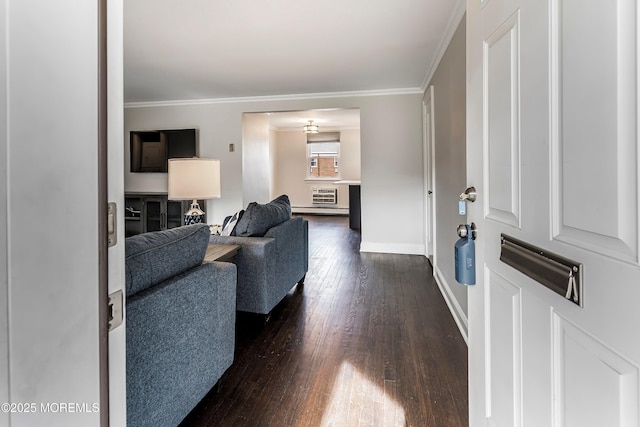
(429, 178)
(112, 154)
(103, 200)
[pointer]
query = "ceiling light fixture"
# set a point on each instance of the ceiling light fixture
(310, 127)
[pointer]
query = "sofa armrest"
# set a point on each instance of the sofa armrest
(269, 266)
(256, 261)
(292, 239)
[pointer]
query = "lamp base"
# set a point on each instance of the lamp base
(194, 219)
(195, 215)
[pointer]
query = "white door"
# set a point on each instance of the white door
(428, 156)
(49, 262)
(552, 148)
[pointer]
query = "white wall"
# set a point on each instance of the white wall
(391, 159)
(257, 176)
(49, 209)
(392, 175)
(290, 169)
(217, 128)
(350, 166)
(450, 166)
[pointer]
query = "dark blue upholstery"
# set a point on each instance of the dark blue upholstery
(269, 266)
(151, 258)
(180, 331)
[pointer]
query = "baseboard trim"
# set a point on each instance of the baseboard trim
(392, 248)
(456, 311)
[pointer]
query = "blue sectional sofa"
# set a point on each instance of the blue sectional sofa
(274, 254)
(180, 320)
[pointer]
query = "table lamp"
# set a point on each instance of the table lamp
(192, 179)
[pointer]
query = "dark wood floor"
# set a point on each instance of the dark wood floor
(369, 341)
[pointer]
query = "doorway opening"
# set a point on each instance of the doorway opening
(316, 170)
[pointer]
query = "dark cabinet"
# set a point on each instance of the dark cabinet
(153, 212)
(132, 216)
(174, 213)
(161, 214)
(354, 206)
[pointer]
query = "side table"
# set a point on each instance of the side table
(218, 252)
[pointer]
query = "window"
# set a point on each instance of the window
(323, 160)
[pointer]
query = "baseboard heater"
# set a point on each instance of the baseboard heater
(320, 210)
(560, 274)
(324, 195)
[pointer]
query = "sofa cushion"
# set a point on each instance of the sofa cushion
(259, 218)
(151, 258)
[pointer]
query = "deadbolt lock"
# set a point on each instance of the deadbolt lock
(469, 194)
(463, 230)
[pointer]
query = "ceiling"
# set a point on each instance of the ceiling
(216, 49)
(327, 120)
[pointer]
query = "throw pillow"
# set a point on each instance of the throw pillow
(259, 218)
(229, 226)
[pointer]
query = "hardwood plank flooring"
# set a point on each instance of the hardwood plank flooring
(368, 341)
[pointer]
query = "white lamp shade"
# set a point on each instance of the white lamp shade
(194, 178)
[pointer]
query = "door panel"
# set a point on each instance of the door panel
(577, 353)
(504, 367)
(501, 59)
(581, 35)
(552, 150)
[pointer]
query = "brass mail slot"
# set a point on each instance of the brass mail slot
(554, 271)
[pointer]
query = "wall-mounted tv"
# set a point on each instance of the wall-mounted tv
(150, 150)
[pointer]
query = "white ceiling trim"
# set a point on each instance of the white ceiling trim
(452, 26)
(349, 94)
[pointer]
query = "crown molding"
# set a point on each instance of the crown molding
(292, 97)
(457, 15)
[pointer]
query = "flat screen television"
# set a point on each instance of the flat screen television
(150, 150)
